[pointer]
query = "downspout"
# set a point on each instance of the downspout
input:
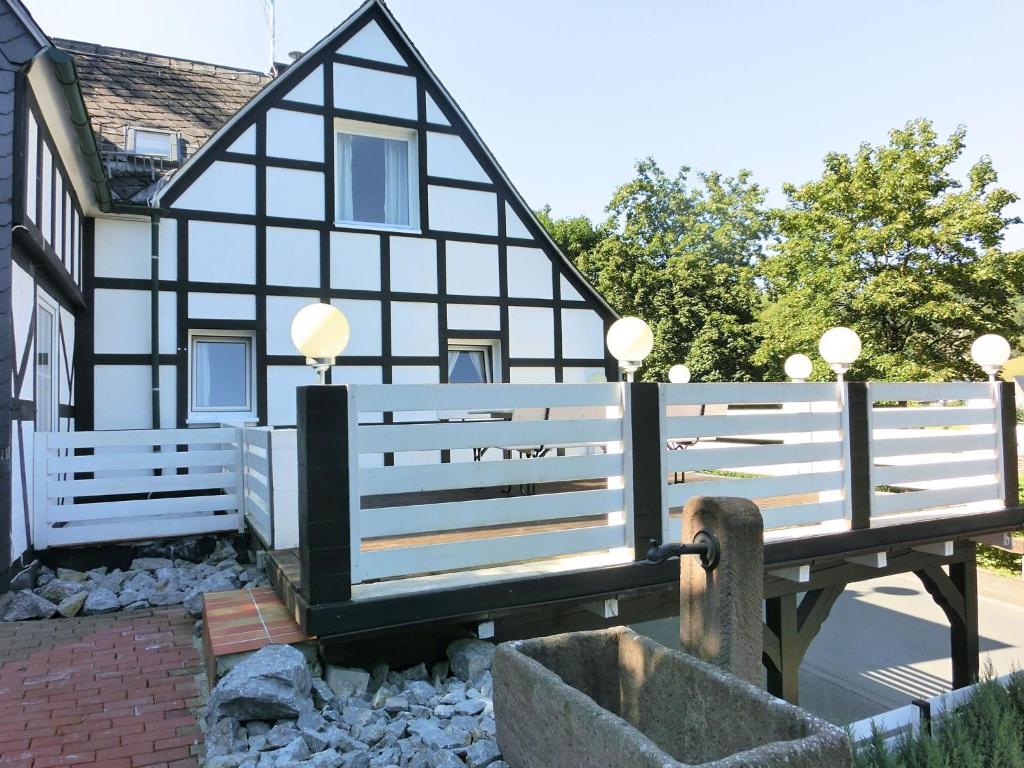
(154, 312)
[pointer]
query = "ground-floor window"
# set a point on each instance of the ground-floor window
(222, 376)
(473, 362)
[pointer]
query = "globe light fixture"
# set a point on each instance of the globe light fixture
(630, 340)
(798, 367)
(990, 352)
(679, 374)
(321, 333)
(839, 347)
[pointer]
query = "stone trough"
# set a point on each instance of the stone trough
(613, 698)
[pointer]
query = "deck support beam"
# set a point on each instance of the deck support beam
(956, 593)
(790, 626)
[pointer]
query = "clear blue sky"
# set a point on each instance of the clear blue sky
(570, 93)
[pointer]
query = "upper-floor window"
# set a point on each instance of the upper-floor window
(146, 141)
(376, 175)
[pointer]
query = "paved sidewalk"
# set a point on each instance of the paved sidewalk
(114, 691)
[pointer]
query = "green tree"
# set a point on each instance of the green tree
(682, 257)
(890, 243)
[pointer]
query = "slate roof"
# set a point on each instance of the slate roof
(125, 88)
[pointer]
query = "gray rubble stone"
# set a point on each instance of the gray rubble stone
(439, 671)
(322, 693)
(329, 758)
(347, 681)
(316, 742)
(281, 735)
(396, 704)
(220, 737)
(355, 760)
(481, 754)
(59, 589)
(167, 597)
(150, 563)
(420, 691)
(234, 760)
(432, 735)
(470, 658)
(445, 759)
(273, 683)
(69, 574)
(136, 606)
(71, 605)
(28, 605)
(100, 600)
(444, 711)
(287, 756)
(142, 582)
(470, 707)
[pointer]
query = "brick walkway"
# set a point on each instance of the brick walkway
(114, 691)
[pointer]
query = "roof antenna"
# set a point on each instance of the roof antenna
(269, 12)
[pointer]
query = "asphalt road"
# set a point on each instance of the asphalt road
(886, 642)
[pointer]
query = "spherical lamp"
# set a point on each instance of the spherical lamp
(321, 333)
(839, 347)
(679, 374)
(630, 340)
(798, 367)
(990, 352)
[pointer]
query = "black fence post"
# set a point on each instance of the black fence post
(858, 438)
(643, 451)
(323, 463)
(1008, 476)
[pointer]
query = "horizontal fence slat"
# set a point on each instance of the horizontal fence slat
(747, 393)
(902, 418)
(56, 489)
(924, 392)
(457, 515)
(756, 487)
(257, 485)
(153, 529)
(259, 463)
(462, 397)
(479, 474)
(690, 459)
(803, 514)
(948, 442)
(911, 501)
(483, 553)
(140, 508)
(134, 437)
(893, 721)
(393, 438)
(916, 473)
(126, 461)
(751, 424)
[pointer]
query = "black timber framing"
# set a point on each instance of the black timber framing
(645, 449)
(956, 593)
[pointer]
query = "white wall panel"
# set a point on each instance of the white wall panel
(293, 256)
(224, 187)
(471, 269)
(524, 375)
(364, 321)
(567, 291)
(356, 374)
(529, 273)
(531, 332)
(123, 248)
(370, 42)
(474, 317)
(124, 397)
(245, 144)
(355, 261)
(449, 158)
(413, 265)
(434, 113)
(66, 358)
(221, 253)
(295, 135)
(295, 194)
(280, 311)
(379, 93)
(168, 395)
(415, 374)
(45, 215)
(462, 210)
(310, 89)
(583, 374)
(121, 321)
(514, 226)
(168, 329)
(23, 307)
(582, 334)
(221, 306)
(30, 164)
(413, 329)
(168, 249)
(282, 381)
(22, 444)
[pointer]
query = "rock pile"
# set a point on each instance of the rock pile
(270, 712)
(149, 581)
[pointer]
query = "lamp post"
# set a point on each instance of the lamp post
(679, 374)
(839, 347)
(321, 333)
(990, 352)
(798, 367)
(630, 340)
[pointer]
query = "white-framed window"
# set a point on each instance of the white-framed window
(473, 362)
(47, 370)
(222, 376)
(149, 141)
(376, 178)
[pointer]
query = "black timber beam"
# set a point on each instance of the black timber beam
(956, 593)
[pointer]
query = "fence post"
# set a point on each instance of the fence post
(322, 417)
(857, 459)
(645, 476)
(240, 481)
(1006, 442)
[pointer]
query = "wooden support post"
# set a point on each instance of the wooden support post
(645, 481)
(1006, 431)
(956, 593)
(324, 524)
(858, 438)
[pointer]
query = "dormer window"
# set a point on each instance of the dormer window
(155, 143)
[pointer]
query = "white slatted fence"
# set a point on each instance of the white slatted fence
(134, 484)
(258, 481)
(428, 448)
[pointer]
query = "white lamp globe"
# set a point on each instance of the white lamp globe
(798, 367)
(630, 340)
(320, 331)
(679, 374)
(991, 352)
(839, 347)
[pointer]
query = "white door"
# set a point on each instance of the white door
(46, 371)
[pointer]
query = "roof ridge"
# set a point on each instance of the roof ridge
(154, 59)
